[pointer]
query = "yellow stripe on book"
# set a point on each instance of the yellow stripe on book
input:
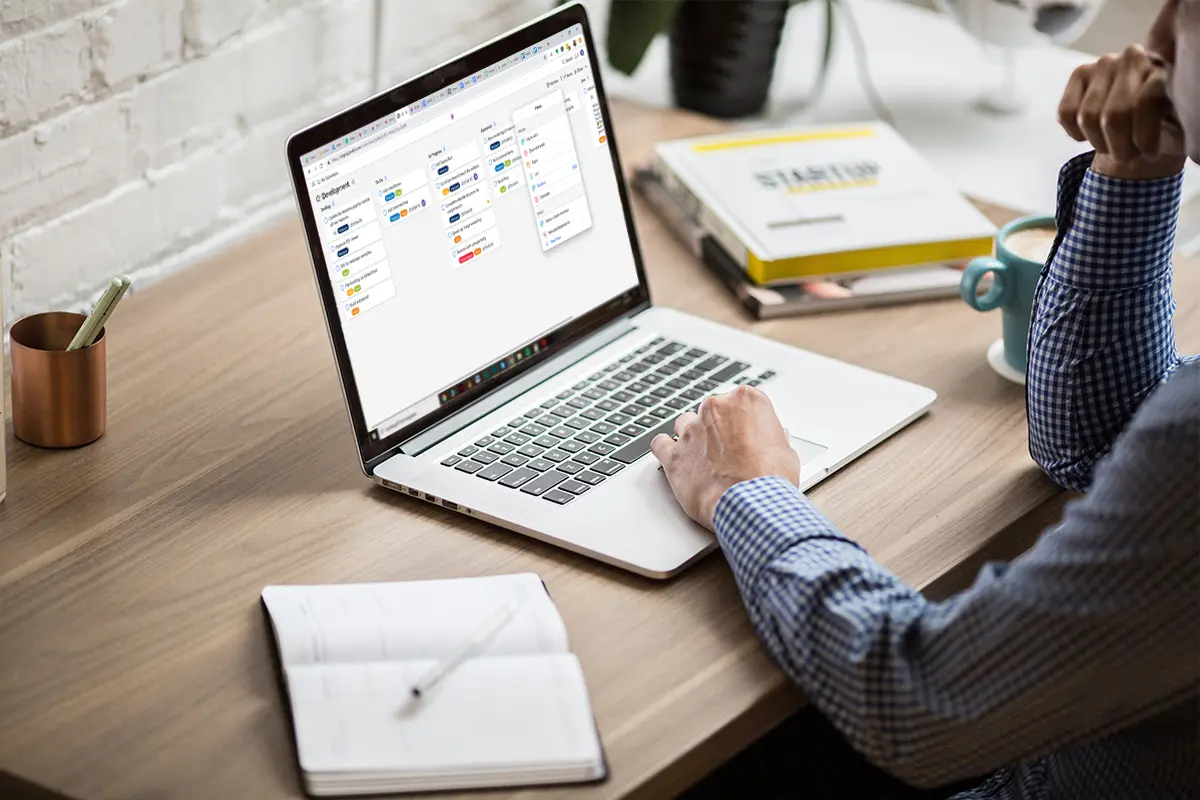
(907, 255)
(783, 138)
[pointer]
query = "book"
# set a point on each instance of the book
(780, 299)
(515, 713)
(821, 202)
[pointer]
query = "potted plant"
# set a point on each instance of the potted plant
(722, 52)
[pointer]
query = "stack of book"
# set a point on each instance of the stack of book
(816, 219)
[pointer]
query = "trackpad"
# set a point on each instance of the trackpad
(808, 451)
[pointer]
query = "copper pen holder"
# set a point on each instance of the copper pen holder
(59, 398)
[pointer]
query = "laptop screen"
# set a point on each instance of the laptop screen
(462, 229)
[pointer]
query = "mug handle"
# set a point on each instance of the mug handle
(970, 283)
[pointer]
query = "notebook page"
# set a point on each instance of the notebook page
(366, 622)
(488, 716)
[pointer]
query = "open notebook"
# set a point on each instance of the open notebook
(515, 713)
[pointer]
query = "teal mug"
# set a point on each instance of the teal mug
(1022, 247)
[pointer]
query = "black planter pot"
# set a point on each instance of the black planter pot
(723, 54)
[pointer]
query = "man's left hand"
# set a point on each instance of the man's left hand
(734, 438)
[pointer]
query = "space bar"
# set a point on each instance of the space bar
(641, 445)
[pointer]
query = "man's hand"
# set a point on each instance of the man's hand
(734, 438)
(1120, 106)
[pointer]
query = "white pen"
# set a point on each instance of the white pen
(481, 637)
(87, 329)
(99, 324)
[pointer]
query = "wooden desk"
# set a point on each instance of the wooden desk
(133, 654)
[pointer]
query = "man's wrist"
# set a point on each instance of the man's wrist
(1142, 170)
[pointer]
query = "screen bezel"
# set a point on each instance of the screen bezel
(403, 95)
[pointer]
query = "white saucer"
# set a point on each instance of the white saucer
(995, 357)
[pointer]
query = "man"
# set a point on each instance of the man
(1072, 672)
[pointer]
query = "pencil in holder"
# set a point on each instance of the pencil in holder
(59, 397)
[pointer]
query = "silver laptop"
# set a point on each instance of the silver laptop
(472, 242)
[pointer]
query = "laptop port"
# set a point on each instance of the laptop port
(450, 505)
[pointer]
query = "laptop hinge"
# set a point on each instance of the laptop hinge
(509, 392)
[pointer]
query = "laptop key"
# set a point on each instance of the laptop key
(677, 403)
(517, 439)
(638, 387)
(569, 467)
(500, 433)
(468, 467)
(540, 464)
(589, 477)
(544, 483)
(616, 439)
(626, 359)
(641, 445)
(728, 371)
(607, 467)
(663, 392)
(692, 394)
(597, 392)
(495, 472)
(600, 428)
(601, 448)
(631, 411)
(485, 457)
(555, 455)
(638, 367)
(592, 414)
(646, 421)
(501, 448)
(579, 387)
(692, 375)
(518, 478)
(623, 376)
(571, 446)
(619, 419)
(516, 423)
(587, 437)
(450, 461)
(572, 486)
(565, 395)
(647, 401)
(468, 450)
(578, 423)
(612, 368)
(652, 378)
(661, 413)
(586, 458)
(484, 442)
(696, 352)
(631, 430)
(671, 348)
(706, 386)
(677, 383)
(614, 401)
(514, 459)
(531, 451)
(533, 429)
(546, 441)
(712, 362)
(551, 403)
(562, 432)
(532, 413)
(596, 376)
(555, 496)
(547, 421)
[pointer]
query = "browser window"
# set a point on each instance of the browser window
(460, 231)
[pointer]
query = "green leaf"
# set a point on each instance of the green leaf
(632, 25)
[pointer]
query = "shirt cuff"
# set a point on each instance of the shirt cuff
(758, 520)
(1113, 234)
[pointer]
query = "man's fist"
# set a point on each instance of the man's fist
(1120, 105)
(734, 438)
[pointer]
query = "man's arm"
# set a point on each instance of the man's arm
(1035, 655)
(1101, 338)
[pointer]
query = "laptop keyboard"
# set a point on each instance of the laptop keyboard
(560, 449)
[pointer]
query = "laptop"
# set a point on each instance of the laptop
(486, 301)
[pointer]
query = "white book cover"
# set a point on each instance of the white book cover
(823, 200)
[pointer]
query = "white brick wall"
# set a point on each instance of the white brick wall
(140, 136)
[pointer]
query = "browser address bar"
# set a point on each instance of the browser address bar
(442, 120)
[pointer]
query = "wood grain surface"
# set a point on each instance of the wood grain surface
(134, 658)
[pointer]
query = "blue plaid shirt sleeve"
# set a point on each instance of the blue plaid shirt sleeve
(1101, 337)
(1025, 676)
